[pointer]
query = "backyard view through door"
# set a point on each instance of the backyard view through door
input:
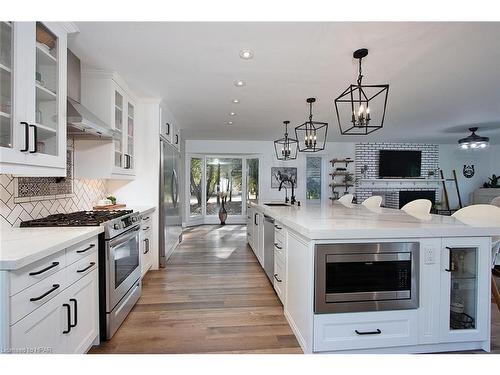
(220, 180)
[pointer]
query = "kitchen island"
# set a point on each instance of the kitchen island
(354, 279)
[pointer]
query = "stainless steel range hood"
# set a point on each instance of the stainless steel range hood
(82, 123)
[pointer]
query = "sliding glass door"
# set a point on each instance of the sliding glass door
(215, 181)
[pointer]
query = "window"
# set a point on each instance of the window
(252, 179)
(224, 182)
(313, 177)
(196, 196)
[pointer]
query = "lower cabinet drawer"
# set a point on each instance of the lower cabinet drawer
(36, 295)
(81, 250)
(81, 268)
(279, 279)
(365, 330)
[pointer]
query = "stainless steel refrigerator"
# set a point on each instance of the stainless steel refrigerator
(170, 205)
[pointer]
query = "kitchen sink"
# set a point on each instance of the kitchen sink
(277, 204)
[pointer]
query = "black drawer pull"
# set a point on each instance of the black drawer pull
(54, 264)
(276, 277)
(68, 330)
(277, 246)
(145, 218)
(377, 332)
(146, 228)
(92, 264)
(54, 287)
(76, 312)
(278, 228)
(84, 250)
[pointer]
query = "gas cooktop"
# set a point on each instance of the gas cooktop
(76, 219)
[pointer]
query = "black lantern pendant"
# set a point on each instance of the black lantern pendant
(311, 135)
(286, 148)
(361, 108)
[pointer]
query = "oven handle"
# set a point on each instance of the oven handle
(359, 258)
(120, 239)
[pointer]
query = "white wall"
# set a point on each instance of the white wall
(265, 150)
(486, 162)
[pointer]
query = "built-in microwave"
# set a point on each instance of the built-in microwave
(366, 277)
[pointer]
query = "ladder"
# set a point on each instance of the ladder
(445, 191)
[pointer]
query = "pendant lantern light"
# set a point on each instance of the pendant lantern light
(361, 108)
(286, 147)
(311, 135)
(473, 141)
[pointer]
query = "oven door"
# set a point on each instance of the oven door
(366, 277)
(122, 266)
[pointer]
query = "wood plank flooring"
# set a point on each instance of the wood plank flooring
(213, 297)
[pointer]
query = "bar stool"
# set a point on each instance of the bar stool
(347, 198)
(418, 207)
(372, 202)
(479, 213)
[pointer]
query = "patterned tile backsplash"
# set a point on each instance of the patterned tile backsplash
(26, 198)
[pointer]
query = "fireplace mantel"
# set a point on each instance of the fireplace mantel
(399, 182)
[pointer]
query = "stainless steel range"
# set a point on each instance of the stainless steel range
(119, 267)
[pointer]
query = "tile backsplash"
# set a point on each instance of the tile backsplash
(26, 198)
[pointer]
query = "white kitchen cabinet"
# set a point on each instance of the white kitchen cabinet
(169, 129)
(33, 98)
(145, 241)
(464, 309)
(51, 305)
(109, 97)
(83, 299)
(280, 276)
(250, 226)
(258, 236)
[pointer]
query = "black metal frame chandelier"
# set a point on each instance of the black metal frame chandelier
(311, 135)
(286, 147)
(353, 106)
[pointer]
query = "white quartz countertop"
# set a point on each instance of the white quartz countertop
(143, 209)
(22, 246)
(337, 221)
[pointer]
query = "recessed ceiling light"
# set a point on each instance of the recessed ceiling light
(232, 113)
(239, 83)
(236, 101)
(246, 54)
(230, 123)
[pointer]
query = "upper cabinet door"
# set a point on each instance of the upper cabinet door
(129, 157)
(118, 116)
(34, 140)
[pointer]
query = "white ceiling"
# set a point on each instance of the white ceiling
(443, 77)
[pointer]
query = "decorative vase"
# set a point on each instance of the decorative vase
(222, 212)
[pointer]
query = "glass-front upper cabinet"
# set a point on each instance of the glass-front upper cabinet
(33, 98)
(130, 136)
(6, 81)
(464, 268)
(124, 124)
(118, 140)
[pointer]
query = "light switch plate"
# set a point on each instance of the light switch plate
(429, 256)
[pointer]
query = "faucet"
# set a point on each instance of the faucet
(292, 197)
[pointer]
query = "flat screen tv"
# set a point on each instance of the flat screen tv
(399, 164)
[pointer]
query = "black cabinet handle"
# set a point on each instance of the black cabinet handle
(449, 260)
(54, 264)
(377, 332)
(146, 228)
(146, 241)
(54, 287)
(92, 264)
(26, 136)
(84, 250)
(35, 138)
(278, 246)
(276, 277)
(176, 139)
(68, 330)
(255, 219)
(145, 218)
(75, 314)
(278, 228)
(168, 128)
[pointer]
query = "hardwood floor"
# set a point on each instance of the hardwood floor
(213, 297)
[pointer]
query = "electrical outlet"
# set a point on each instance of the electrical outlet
(429, 257)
